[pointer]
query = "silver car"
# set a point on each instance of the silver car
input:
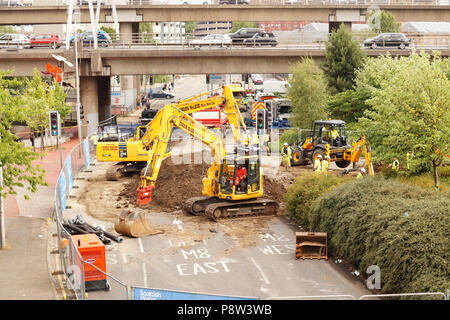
(221, 40)
(14, 40)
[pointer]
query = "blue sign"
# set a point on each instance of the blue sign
(62, 191)
(155, 294)
(87, 156)
(116, 93)
(69, 173)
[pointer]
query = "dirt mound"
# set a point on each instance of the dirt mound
(177, 183)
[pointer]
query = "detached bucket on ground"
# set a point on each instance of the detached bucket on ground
(311, 245)
(134, 225)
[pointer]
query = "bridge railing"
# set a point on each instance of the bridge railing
(292, 40)
(20, 3)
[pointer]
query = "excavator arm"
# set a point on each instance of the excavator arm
(357, 148)
(157, 138)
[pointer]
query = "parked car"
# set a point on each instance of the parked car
(16, 40)
(257, 78)
(388, 40)
(204, 2)
(11, 3)
(244, 33)
(45, 40)
(234, 1)
(262, 39)
(222, 40)
(103, 38)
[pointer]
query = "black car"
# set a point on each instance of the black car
(398, 40)
(244, 33)
(264, 39)
(234, 1)
(161, 94)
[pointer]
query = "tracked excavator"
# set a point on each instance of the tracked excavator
(131, 156)
(233, 185)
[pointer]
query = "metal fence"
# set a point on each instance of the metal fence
(293, 40)
(21, 3)
(71, 261)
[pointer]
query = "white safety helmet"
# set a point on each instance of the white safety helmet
(285, 144)
(319, 156)
(363, 170)
(327, 157)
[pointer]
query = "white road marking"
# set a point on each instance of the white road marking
(260, 271)
(144, 266)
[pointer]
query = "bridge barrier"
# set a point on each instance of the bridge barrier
(313, 40)
(216, 2)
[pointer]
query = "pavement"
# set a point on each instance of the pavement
(24, 263)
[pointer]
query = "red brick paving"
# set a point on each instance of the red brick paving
(51, 164)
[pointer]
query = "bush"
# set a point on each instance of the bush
(402, 229)
(304, 191)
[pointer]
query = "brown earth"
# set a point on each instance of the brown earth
(178, 182)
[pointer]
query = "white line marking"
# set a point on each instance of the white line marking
(141, 245)
(260, 271)
(144, 266)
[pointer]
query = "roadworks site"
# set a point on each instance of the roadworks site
(400, 229)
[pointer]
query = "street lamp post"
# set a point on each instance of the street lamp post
(77, 76)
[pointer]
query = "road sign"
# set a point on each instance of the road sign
(216, 78)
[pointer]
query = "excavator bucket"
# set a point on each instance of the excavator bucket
(144, 195)
(311, 245)
(134, 224)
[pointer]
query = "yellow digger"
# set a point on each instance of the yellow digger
(328, 137)
(132, 154)
(233, 185)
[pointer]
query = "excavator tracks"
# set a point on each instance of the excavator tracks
(197, 205)
(218, 210)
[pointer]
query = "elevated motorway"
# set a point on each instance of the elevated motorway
(165, 13)
(176, 60)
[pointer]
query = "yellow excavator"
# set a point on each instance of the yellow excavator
(233, 185)
(132, 154)
(329, 137)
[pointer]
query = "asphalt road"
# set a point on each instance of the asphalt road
(252, 257)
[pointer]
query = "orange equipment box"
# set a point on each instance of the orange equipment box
(92, 250)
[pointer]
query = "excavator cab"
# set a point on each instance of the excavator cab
(242, 179)
(332, 132)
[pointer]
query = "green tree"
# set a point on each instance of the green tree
(343, 57)
(308, 93)
(7, 29)
(18, 169)
(110, 31)
(243, 24)
(409, 110)
(37, 99)
(189, 27)
(348, 105)
(146, 28)
(381, 21)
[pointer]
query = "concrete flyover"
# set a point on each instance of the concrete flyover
(110, 62)
(163, 13)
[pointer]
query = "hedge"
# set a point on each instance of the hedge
(306, 188)
(402, 229)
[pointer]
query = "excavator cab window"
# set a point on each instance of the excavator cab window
(253, 175)
(226, 179)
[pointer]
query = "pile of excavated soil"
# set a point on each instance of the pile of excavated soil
(177, 183)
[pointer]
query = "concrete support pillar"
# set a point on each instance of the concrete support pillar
(129, 85)
(89, 102)
(95, 94)
(104, 98)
